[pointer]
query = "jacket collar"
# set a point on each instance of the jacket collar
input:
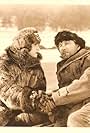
(24, 61)
(75, 57)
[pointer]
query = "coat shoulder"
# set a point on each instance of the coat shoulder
(88, 57)
(59, 64)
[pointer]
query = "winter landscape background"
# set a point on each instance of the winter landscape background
(48, 20)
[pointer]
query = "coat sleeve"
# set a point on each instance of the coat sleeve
(75, 92)
(10, 92)
(12, 86)
(38, 81)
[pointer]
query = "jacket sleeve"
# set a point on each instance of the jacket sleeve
(38, 81)
(75, 92)
(10, 92)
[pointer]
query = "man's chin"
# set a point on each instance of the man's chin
(64, 57)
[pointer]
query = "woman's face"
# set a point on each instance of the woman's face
(68, 48)
(34, 50)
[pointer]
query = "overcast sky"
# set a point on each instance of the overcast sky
(45, 2)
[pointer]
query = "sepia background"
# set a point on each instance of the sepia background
(48, 17)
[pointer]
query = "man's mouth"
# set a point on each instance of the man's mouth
(64, 54)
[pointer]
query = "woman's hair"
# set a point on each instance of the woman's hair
(66, 36)
(22, 44)
(25, 38)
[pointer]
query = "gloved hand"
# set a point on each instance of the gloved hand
(45, 103)
(37, 101)
(28, 101)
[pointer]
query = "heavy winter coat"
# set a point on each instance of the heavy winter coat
(17, 75)
(73, 79)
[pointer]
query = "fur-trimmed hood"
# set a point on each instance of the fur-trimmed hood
(22, 43)
(23, 59)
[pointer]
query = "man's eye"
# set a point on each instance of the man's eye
(66, 43)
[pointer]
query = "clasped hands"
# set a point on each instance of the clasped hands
(43, 102)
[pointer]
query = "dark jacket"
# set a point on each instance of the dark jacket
(73, 68)
(73, 79)
(16, 75)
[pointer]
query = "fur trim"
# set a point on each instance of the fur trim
(23, 59)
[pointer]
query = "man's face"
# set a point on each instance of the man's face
(34, 50)
(68, 48)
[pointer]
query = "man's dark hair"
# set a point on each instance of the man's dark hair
(66, 36)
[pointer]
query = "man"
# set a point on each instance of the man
(73, 73)
(21, 79)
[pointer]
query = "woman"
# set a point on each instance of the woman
(21, 75)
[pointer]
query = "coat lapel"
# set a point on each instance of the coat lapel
(77, 56)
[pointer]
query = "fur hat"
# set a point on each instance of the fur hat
(22, 44)
(25, 38)
(66, 36)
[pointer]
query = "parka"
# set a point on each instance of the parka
(73, 77)
(20, 72)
